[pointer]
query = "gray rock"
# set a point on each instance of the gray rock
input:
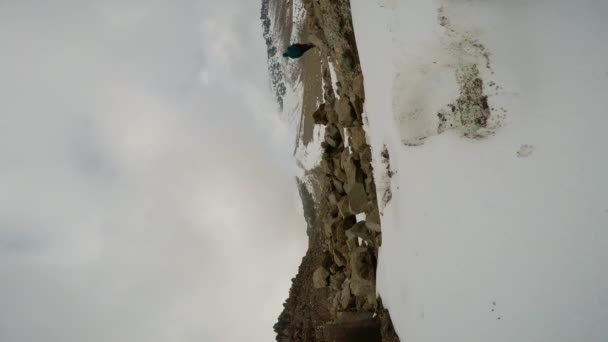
(319, 277)
(359, 230)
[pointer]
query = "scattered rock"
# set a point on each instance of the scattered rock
(319, 278)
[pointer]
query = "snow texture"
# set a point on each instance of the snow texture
(497, 227)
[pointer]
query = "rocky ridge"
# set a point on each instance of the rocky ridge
(333, 296)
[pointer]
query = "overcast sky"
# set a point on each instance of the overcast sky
(146, 182)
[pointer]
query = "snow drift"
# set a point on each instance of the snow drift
(495, 225)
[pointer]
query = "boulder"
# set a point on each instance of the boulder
(332, 116)
(370, 187)
(336, 280)
(320, 115)
(337, 160)
(345, 157)
(366, 160)
(372, 220)
(358, 89)
(344, 207)
(332, 131)
(345, 294)
(339, 259)
(357, 104)
(339, 186)
(357, 198)
(327, 166)
(352, 243)
(319, 277)
(331, 141)
(327, 228)
(346, 113)
(359, 230)
(362, 274)
(332, 135)
(333, 198)
(340, 175)
(351, 171)
(357, 138)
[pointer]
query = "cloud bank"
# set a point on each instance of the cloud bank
(147, 182)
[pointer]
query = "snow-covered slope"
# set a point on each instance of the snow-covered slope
(282, 24)
(497, 229)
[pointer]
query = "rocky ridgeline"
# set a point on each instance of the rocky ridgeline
(350, 191)
(333, 296)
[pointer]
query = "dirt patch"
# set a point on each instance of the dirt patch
(470, 113)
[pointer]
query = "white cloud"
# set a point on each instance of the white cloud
(147, 184)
